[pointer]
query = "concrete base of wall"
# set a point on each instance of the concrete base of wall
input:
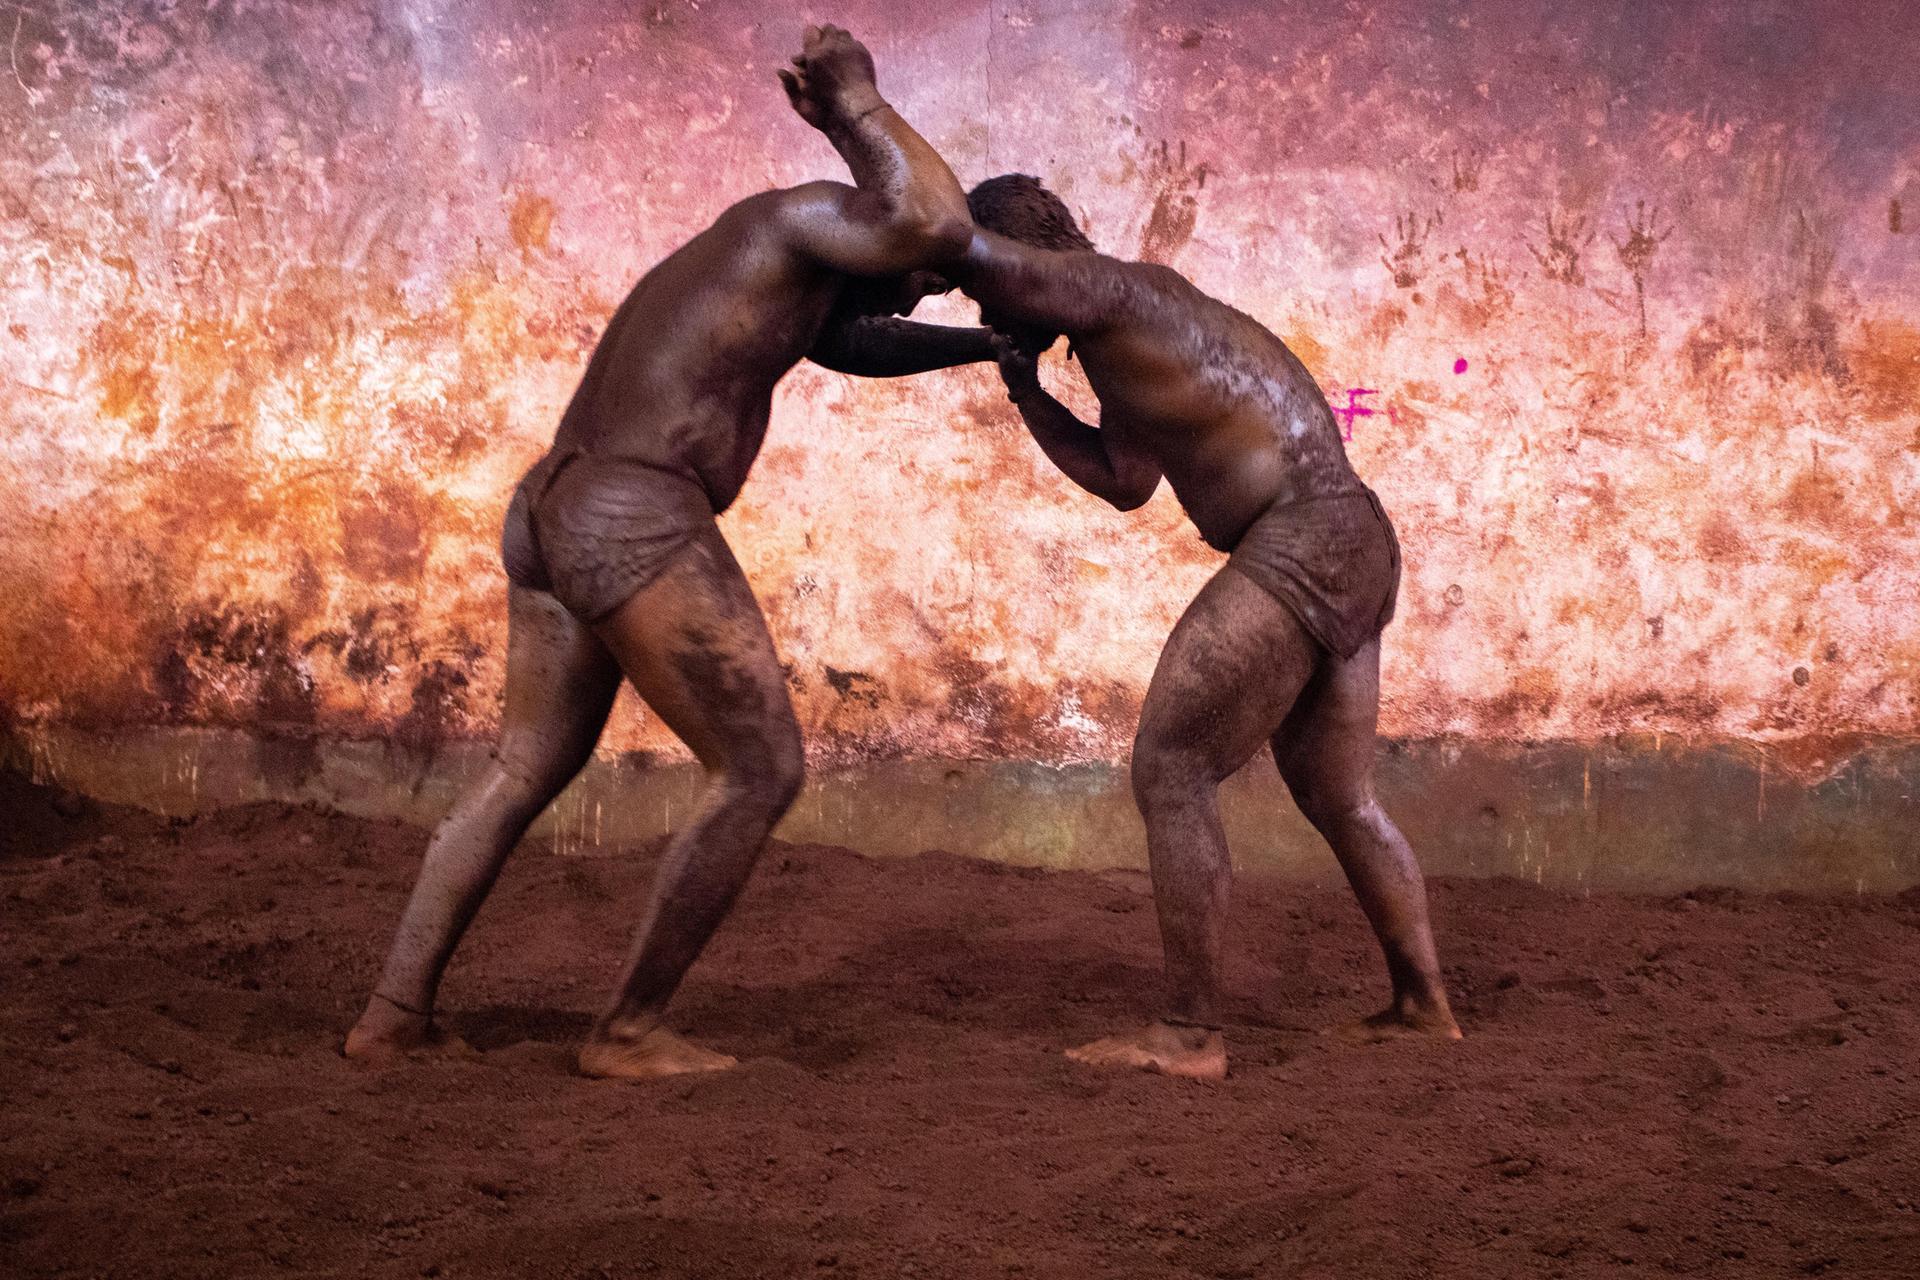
(1634, 814)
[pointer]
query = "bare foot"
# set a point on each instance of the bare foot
(1403, 1021)
(386, 1031)
(1195, 1053)
(658, 1052)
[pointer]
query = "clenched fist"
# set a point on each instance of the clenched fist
(832, 79)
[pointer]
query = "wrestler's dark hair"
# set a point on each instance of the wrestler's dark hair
(1018, 207)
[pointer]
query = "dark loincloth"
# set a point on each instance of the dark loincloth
(594, 529)
(1333, 561)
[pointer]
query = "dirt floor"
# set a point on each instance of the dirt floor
(1713, 1084)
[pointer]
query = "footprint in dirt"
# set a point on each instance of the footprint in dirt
(1699, 1077)
(1582, 986)
(1813, 1035)
(494, 1028)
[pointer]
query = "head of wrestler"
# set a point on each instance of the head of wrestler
(1019, 207)
(892, 295)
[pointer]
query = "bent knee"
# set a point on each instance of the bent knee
(1161, 772)
(786, 764)
(782, 781)
(1331, 810)
(768, 779)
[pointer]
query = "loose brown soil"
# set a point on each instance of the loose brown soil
(1713, 1084)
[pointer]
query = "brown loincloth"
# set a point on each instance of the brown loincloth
(594, 529)
(1332, 560)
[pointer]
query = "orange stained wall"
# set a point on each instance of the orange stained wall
(1618, 302)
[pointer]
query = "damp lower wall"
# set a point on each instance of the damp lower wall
(1615, 304)
(1646, 814)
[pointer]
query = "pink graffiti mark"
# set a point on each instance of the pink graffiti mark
(1353, 409)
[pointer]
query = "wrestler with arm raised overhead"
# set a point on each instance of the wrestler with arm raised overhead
(617, 568)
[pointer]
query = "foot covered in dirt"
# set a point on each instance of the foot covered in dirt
(1194, 1053)
(617, 1054)
(387, 1031)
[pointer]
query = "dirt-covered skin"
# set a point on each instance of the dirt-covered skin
(669, 416)
(1281, 647)
(1717, 1085)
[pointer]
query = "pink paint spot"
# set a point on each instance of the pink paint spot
(1460, 365)
(1353, 409)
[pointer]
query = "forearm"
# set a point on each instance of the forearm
(879, 347)
(1069, 443)
(1077, 294)
(905, 210)
(894, 164)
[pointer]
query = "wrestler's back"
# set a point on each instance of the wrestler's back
(683, 377)
(1234, 419)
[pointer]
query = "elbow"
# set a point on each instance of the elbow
(1134, 491)
(929, 238)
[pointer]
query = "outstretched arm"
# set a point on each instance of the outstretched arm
(886, 347)
(905, 210)
(1090, 457)
(1071, 292)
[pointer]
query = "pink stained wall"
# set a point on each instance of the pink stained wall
(1619, 304)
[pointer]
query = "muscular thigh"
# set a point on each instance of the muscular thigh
(1231, 669)
(695, 645)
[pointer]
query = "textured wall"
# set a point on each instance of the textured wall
(1618, 302)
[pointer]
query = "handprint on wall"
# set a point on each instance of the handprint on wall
(1561, 261)
(1488, 290)
(1466, 171)
(1637, 250)
(1176, 206)
(1801, 326)
(1404, 259)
